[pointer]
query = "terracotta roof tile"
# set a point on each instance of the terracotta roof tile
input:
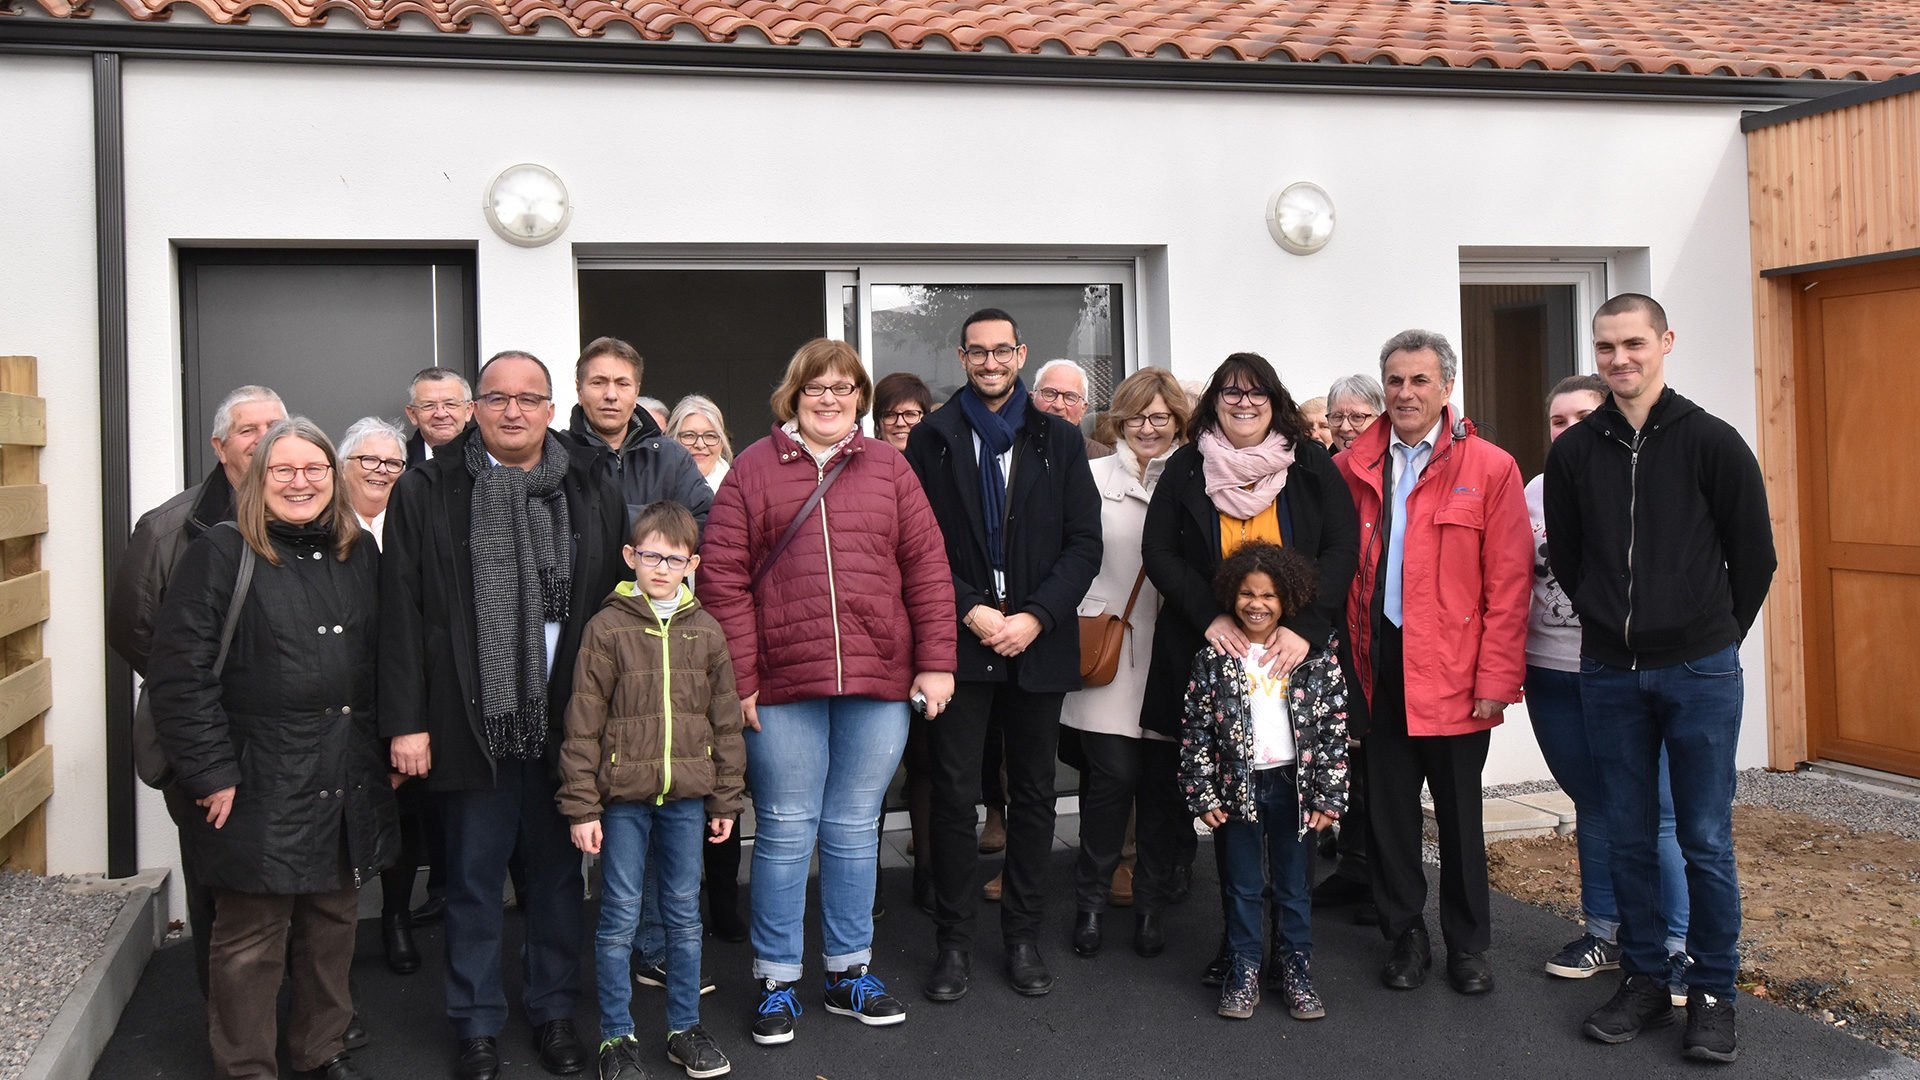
(1827, 39)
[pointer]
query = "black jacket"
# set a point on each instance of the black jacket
(648, 466)
(429, 677)
(289, 723)
(1052, 540)
(1180, 548)
(153, 551)
(1660, 537)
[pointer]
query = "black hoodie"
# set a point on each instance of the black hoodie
(1660, 536)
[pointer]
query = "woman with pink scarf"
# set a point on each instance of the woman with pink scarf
(1251, 473)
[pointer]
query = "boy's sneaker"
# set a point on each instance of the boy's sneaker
(1677, 965)
(773, 1019)
(856, 993)
(620, 1059)
(694, 1051)
(1296, 985)
(1710, 1029)
(1585, 957)
(1240, 992)
(656, 976)
(1641, 1002)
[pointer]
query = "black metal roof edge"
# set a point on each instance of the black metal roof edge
(33, 34)
(1839, 264)
(1853, 94)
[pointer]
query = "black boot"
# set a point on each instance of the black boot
(1086, 933)
(1216, 973)
(1149, 934)
(396, 933)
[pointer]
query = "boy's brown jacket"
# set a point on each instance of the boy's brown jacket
(654, 714)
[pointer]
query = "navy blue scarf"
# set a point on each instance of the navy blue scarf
(996, 437)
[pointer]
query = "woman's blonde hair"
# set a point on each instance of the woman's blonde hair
(702, 404)
(250, 508)
(817, 358)
(1137, 391)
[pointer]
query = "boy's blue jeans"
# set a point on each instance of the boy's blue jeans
(1693, 711)
(1241, 845)
(1553, 704)
(640, 841)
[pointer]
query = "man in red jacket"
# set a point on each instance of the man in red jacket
(1437, 615)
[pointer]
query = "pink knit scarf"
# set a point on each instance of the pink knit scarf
(1243, 482)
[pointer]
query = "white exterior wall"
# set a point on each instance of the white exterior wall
(302, 156)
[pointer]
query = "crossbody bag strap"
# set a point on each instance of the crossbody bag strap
(242, 581)
(1140, 579)
(799, 519)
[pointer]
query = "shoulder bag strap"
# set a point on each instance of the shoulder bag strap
(243, 580)
(1127, 615)
(799, 519)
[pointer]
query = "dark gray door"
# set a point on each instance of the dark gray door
(337, 333)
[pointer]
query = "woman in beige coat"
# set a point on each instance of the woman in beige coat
(1125, 771)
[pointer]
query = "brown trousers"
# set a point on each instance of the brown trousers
(248, 956)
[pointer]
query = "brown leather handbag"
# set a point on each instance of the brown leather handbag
(1102, 637)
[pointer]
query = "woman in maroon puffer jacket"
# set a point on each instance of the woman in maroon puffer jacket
(830, 638)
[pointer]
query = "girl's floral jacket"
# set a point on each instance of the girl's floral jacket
(1216, 736)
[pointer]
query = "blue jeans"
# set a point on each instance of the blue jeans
(671, 834)
(1553, 704)
(1288, 857)
(819, 772)
(1693, 711)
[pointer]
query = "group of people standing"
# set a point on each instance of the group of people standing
(493, 646)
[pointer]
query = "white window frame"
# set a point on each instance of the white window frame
(1587, 275)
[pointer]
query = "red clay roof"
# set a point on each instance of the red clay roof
(1828, 39)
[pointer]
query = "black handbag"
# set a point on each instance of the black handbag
(149, 759)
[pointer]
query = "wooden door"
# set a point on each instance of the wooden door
(1858, 336)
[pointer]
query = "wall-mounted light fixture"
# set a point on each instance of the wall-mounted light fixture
(1300, 217)
(528, 205)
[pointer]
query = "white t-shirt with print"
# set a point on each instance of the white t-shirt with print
(1267, 702)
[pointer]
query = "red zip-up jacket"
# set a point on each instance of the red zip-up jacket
(1465, 576)
(859, 603)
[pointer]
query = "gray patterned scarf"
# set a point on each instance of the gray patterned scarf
(520, 543)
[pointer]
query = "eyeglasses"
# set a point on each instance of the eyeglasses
(839, 389)
(439, 406)
(1157, 419)
(284, 474)
(498, 402)
(654, 558)
(1049, 395)
(376, 463)
(903, 416)
(1235, 395)
(699, 438)
(999, 354)
(1357, 419)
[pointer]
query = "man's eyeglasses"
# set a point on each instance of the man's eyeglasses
(1357, 419)
(1000, 354)
(284, 474)
(903, 416)
(699, 438)
(1235, 395)
(1157, 419)
(1049, 395)
(652, 559)
(839, 389)
(376, 463)
(439, 406)
(498, 402)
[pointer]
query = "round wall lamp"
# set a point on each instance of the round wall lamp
(528, 205)
(1300, 217)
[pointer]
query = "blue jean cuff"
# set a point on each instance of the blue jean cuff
(610, 1033)
(847, 960)
(768, 969)
(1607, 930)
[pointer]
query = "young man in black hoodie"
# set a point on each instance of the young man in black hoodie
(1657, 529)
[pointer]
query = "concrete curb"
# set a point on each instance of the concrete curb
(80, 1030)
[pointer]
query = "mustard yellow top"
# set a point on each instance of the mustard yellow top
(1263, 526)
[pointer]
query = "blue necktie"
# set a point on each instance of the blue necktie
(1397, 526)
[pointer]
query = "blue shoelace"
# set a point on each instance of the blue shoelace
(863, 988)
(779, 1001)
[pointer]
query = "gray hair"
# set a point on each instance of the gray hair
(369, 427)
(1414, 341)
(1086, 384)
(702, 404)
(652, 404)
(441, 374)
(223, 413)
(1364, 387)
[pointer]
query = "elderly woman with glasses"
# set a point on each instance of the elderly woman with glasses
(696, 424)
(825, 566)
(267, 721)
(1353, 404)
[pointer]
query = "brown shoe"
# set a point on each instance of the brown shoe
(993, 837)
(1121, 893)
(990, 892)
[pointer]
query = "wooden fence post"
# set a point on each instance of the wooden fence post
(26, 691)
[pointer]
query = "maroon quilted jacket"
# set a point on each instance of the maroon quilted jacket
(857, 604)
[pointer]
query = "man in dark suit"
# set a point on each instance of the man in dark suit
(439, 406)
(1010, 487)
(497, 552)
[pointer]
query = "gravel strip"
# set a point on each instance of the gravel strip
(49, 934)
(1525, 787)
(1860, 807)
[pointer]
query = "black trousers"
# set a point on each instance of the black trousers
(1350, 843)
(181, 808)
(1030, 724)
(1121, 773)
(1450, 765)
